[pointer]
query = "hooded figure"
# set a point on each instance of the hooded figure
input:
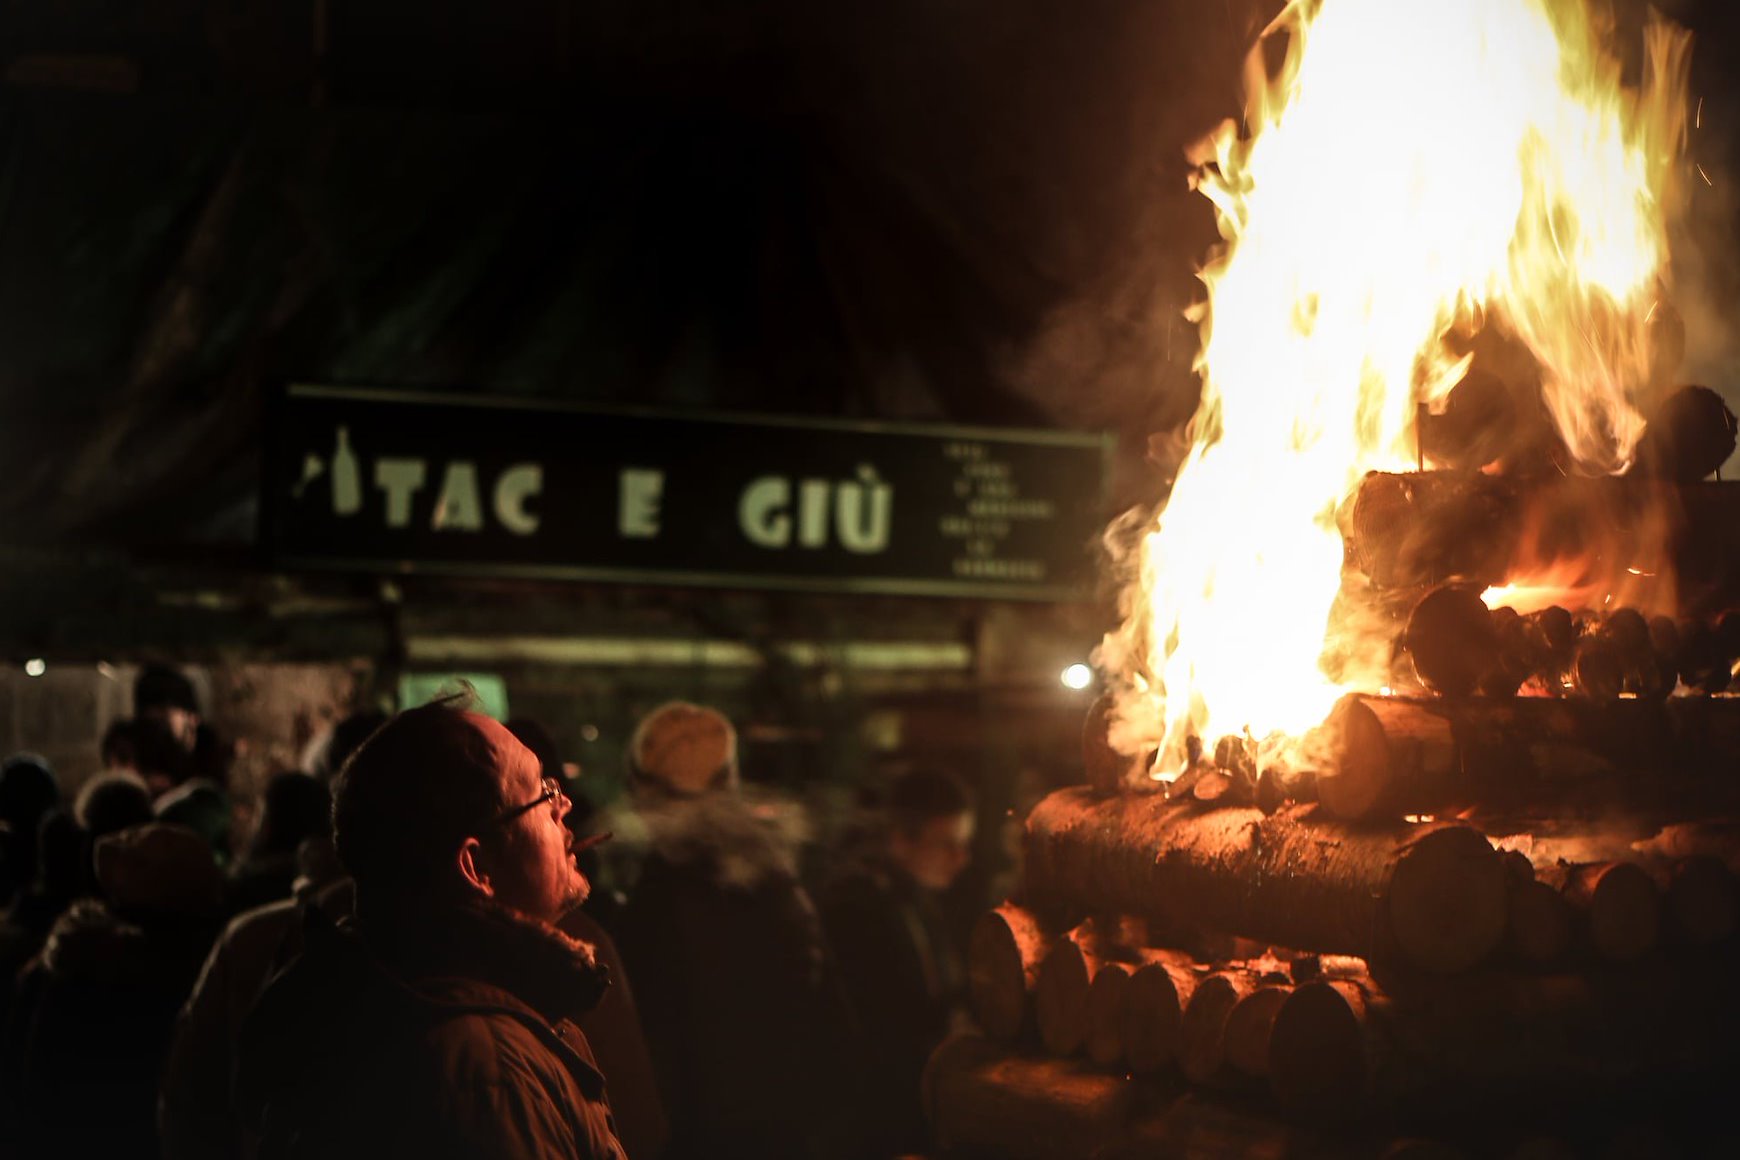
(725, 951)
(92, 1015)
(441, 1021)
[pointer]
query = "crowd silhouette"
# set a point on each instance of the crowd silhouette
(176, 984)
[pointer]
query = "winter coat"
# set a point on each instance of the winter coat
(743, 1018)
(441, 1034)
(88, 1029)
(904, 978)
(196, 1112)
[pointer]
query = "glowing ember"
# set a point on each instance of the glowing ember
(1417, 172)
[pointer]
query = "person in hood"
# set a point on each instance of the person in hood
(441, 1020)
(92, 1015)
(724, 947)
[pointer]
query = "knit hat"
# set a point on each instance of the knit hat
(685, 749)
(158, 869)
(163, 687)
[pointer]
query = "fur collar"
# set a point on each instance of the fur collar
(557, 976)
(746, 837)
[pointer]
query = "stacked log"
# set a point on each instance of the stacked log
(1153, 1014)
(984, 1101)
(1341, 1046)
(1434, 895)
(1003, 958)
(1386, 757)
(1420, 529)
(1062, 991)
(1431, 971)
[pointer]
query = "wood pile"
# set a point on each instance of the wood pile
(1505, 923)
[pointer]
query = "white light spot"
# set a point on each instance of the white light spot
(35, 667)
(1077, 676)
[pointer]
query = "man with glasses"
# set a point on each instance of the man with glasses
(442, 1020)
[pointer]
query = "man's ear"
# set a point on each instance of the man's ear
(474, 867)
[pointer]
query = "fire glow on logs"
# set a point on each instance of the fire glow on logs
(1424, 646)
(1394, 216)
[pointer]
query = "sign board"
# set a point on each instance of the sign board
(388, 481)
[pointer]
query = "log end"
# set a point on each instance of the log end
(1447, 900)
(999, 951)
(1061, 998)
(1152, 1018)
(1202, 1051)
(1624, 913)
(1702, 899)
(1105, 1041)
(1540, 924)
(1317, 1065)
(1353, 778)
(1248, 1030)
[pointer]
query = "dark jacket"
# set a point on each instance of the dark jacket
(88, 1029)
(444, 1034)
(904, 978)
(742, 1016)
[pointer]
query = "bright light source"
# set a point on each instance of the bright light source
(1077, 676)
(35, 667)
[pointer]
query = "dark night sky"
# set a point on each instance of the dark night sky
(972, 211)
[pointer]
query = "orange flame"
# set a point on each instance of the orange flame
(1416, 171)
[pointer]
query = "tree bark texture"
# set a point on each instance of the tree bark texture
(1434, 895)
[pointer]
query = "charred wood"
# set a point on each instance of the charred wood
(1421, 529)
(1688, 438)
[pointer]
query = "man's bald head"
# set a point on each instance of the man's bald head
(412, 793)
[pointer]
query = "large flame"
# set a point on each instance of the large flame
(1417, 171)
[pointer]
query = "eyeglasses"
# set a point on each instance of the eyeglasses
(552, 791)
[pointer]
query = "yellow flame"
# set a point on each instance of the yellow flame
(1416, 171)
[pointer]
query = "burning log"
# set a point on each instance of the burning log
(1432, 894)
(1421, 529)
(1453, 641)
(1342, 1046)
(1619, 902)
(1478, 420)
(1410, 531)
(1153, 1015)
(1108, 771)
(983, 1101)
(1385, 757)
(1003, 957)
(1688, 438)
(1060, 997)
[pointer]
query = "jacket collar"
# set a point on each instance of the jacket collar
(461, 955)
